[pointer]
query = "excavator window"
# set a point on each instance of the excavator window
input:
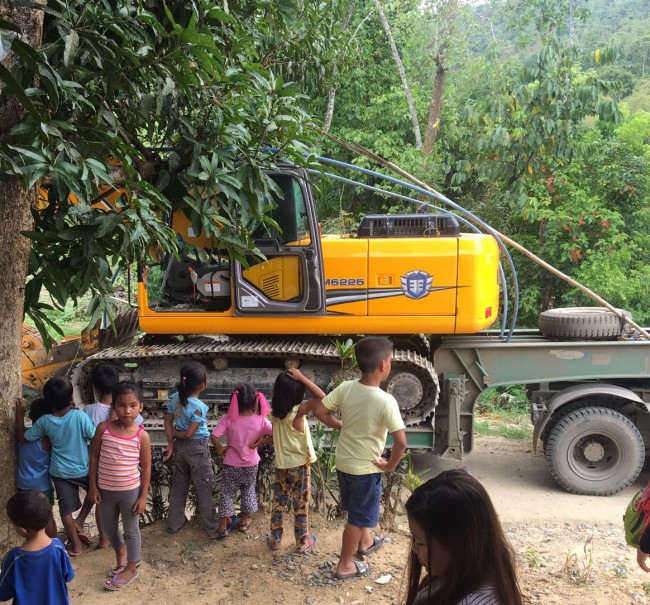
(289, 213)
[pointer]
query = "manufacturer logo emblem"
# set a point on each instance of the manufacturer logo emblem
(416, 284)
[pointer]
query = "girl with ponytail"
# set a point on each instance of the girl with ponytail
(188, 440)
(243, 426)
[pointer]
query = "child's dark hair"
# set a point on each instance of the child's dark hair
(455, 510)
(126, 387)
(193, 375)
(287, 393)
(371, 350)
(29, 509)
(104, 378)
(39, 407)
(247, 398)
(58, 393)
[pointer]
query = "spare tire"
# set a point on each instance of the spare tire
(591, 323)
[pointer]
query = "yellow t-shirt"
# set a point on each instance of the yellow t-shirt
(292, 448)
(368, 414)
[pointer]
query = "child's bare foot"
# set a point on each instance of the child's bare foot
(272, 544)
(245, 522)
(81, 534)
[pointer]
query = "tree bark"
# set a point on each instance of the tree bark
(441, 47)
(402, 74)
(331, 92)
(435, 111)
(572, 25)
(15, 216)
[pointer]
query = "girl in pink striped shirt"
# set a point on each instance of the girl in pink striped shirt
(120, 472)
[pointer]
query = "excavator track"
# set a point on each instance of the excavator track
(235, 360)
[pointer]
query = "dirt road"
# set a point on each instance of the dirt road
(570, 550)
(522, 488)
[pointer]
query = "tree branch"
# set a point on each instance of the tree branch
(402, 75)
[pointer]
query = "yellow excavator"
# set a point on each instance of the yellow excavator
(402, 276)
(40, 363)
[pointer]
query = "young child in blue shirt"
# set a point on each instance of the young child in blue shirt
(37, 572)
(34, 461)
(188, 440)
(68, 430)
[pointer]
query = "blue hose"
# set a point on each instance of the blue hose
(422, 204)
(456, 207)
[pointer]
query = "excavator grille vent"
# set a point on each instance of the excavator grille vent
(271, 286)
(408, 225)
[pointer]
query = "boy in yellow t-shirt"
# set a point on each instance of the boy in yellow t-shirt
(368, 414)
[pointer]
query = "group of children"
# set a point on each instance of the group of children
(115, 471)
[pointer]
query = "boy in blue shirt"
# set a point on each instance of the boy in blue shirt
(34, 460)
(68, 430)
(35, 573)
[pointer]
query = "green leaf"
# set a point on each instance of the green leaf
(10, 83)
(71, 47)
(48, 77)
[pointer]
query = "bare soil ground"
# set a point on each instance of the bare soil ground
(570, 550)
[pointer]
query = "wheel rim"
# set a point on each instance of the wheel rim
(595, 456)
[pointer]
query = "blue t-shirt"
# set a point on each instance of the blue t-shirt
(33, 467)
(36, 577)
(69, 437)
(184, 416)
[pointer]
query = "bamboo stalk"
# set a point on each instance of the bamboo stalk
(354, 147)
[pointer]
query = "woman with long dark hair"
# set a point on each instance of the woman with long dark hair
(459, 543)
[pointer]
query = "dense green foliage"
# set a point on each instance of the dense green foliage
(188, 98)
(536, 135)
(543, 135)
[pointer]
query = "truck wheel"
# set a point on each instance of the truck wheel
(593, 323)
(595, 451)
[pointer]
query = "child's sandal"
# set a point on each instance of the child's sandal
(118, 569)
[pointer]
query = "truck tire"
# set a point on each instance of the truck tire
(592, 323)
(595, 451)
(567, 408)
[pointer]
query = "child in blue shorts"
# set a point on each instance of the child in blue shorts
(368, 414)
(68, 430)
(37, 572)
(34, 460)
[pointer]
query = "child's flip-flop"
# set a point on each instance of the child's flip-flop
(377, 543)
(119, 569)
(223, 533)
(113, 584)
(361, 570)
(308, 548)
(84, 548)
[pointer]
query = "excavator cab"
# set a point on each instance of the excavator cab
(290, 280)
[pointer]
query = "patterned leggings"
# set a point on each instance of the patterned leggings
(291, 487)
(233, 479)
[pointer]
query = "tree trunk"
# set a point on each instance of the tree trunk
(402, 75)
(15, 216)
(441, 45)
(572, 24)
(331, 92)
(435, 111)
